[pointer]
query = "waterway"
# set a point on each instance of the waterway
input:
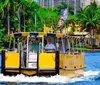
(91, 75)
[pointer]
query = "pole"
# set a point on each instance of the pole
(27, 52)
(63, 45)
(8, 21)
(73, 46)
(35, 19)
(19, 9)
(24, 24)
(42, 43)
(67, 23)
(24, 21)
(80, 47)
(68, 44)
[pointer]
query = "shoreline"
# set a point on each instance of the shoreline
(89, 50)
(93, 50)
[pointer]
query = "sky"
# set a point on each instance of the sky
(36, 0)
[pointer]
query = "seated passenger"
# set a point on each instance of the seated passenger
(35, 45)
(75, 52)
(50, 47)
(68, 51)
(14, 49)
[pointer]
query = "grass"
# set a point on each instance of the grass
(78, 48)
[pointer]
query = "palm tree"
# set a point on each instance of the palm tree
(73, 20)
(9, 13)
(64, 6)
(90, 18)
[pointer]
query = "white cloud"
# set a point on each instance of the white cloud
(36, 0)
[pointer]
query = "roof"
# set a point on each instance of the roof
(81, 33)
(41, 34)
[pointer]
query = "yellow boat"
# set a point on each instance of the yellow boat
(23, 57)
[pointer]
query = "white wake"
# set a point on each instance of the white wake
(53, 79)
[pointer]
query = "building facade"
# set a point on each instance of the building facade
(86, 3)
(46, 3)
(55, 3)
(76, 4)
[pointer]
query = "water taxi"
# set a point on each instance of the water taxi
(29, 54)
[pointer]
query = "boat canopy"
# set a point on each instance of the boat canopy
(41, 34)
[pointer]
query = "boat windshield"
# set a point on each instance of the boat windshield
(30, 44)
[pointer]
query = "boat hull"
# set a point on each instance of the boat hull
(47, 64)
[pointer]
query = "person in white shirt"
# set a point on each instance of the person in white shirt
(50, 47)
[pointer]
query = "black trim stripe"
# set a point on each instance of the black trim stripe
(57, 62)
(20, 63)
(21, 69)
(51, 35)
(3, 62)
(38, 63)
(17, 34)
(34, 34)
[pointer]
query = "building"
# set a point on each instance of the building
(54, 3)
(88, 2)
(76, 4)
(46, 3)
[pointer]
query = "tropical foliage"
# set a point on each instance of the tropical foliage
(19, 15)
(27, 15)
(89, 18)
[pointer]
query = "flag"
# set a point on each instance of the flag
(64, 13)
(48, 29)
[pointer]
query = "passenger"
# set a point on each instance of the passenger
(76, 52)
(68, 51)
(14, 49)
(50, 47)
(35, 45)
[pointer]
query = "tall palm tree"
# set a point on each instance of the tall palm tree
(9, 9)
(90, 18)
(64, 6)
